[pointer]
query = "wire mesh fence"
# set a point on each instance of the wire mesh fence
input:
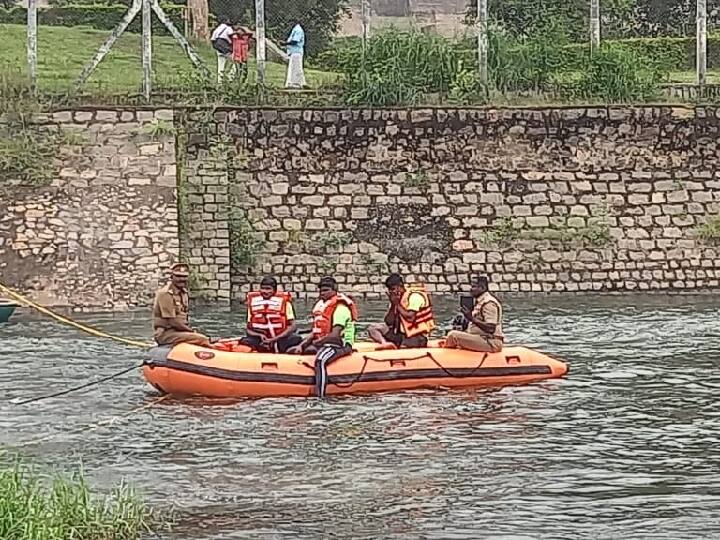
(367, 51)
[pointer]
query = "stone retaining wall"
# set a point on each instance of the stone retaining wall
(573, 199)
(544, 200)
(101, 231)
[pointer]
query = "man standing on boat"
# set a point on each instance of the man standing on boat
(484, 322)
(271, 319)
(409, 318)
(170, 312)
(333, 332)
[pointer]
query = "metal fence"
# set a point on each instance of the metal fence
(149, 47)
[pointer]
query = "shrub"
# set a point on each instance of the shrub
(468, 89)
(616, 74)
(529, 64)
(398, 68)
(65, 509)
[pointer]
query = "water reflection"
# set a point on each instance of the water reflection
(625, 446)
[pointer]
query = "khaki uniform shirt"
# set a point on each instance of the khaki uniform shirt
(170, 303)
(487, 309)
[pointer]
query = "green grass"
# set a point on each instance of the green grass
(713, 77)
(31, 509)
(63, 51)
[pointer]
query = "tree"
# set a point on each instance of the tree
(523, 18)
(199, 18)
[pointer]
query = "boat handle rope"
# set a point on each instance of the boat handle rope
(450, 374)
(367, 359)
(435, 361)
(87, 329)
(357, 378)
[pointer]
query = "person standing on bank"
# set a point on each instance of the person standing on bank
(170, 312)
(484, 331)
(296, 52)
(270, 319)
(409, 318)
(222, 41)
(333, 332)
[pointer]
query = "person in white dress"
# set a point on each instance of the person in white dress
(296, 51)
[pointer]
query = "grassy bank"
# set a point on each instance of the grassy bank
(33, 509)
(63, 51)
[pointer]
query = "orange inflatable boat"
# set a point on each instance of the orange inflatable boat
(188, 370)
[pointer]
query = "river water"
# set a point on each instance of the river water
(625, 446)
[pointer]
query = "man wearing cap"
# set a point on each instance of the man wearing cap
(333, 332)
(484, 323)
(170, 311)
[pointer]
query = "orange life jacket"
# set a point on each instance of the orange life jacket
(323, 312)
(269, 317)
(424, 321)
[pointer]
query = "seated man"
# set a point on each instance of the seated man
(270, 319)
(484, 328)
(333, 332)
(170, 312)
(409, 318)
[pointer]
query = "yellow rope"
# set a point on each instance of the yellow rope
(92, 331)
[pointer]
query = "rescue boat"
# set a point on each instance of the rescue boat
(189, 370)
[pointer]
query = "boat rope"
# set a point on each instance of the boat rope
(435, 361)
(450, 374)
(356, 379)
(93, 426)
(80, 387)
(84, 328)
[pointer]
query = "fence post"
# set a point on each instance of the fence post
(701, 42)
(365, 7)
(594, 25)
(32, 44)
(482, 30)
(147, 49)
(260, 39)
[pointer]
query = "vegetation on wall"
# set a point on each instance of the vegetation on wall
(709, 232)
(28, 149)
(505, 232)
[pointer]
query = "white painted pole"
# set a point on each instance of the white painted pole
(701, 42)
(482, 29)
(260, 40)
(32, 44)
(147, 49)
(594, 25)
(365, 21)
(109, 42)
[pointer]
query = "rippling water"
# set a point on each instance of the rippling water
(625, 446)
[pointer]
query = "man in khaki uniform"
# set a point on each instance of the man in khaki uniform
(484, 322)
(170, 311)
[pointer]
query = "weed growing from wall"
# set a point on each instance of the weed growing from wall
(419, 180)
(709, 232)
(245, 246)
(596, 234)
